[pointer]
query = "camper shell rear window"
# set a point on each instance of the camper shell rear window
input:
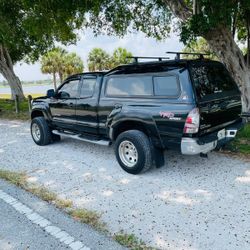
(211, 80)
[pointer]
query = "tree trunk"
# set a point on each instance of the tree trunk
(54, 80)
(222, 43)
(60, 76)
(6, 69)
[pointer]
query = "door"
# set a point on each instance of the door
(86, 106)
(63, 105)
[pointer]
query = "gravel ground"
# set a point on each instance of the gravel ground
(190, 203)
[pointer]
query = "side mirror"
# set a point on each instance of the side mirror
(50, 93)
(63, 95)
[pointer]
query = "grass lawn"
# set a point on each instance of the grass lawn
(8, 110)
(241, 143)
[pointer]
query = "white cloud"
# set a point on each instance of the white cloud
(137, 43)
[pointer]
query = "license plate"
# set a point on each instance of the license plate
(221, 134)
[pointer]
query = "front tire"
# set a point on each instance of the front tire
(40, 131)
(133, 151)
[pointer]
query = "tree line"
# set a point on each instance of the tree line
(29, 29)
(61, 63)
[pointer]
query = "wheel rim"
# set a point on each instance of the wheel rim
(35, 132)
(128, 153)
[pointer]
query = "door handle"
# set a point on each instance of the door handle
(85, 106)
(117, 106)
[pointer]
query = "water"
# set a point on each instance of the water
(33, 89)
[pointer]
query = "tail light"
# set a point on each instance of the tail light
(192, 122)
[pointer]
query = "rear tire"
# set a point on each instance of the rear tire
(133, 151)
(40, 131)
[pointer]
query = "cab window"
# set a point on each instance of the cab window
(69, 89)
(88, 87)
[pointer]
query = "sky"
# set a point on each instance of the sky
(136, 43)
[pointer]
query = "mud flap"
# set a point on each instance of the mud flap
(158, 157)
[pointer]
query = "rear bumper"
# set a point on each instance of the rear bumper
(193, 146)
(189, 146)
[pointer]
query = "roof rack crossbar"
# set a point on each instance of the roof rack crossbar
(178, 54)
(136, 58)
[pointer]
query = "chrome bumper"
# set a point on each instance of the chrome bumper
(189, 146)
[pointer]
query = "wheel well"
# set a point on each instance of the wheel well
(36, 113)
(129, 125)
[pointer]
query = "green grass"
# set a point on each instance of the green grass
(42, 193)
(8, 110)
(63, 203)
(89, 217)
(16, 178)
(131, 241)
(241, 144)
(245, 132)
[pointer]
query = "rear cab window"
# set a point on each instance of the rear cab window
(212, 81)
(88, 87)
(137, 85)
(129, 86)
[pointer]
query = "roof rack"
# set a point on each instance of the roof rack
(177, 57)
(147, 57)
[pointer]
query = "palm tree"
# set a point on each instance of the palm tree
(72, 64)
(98, 60)
(59, 61)
(121, 56)
(52, 63)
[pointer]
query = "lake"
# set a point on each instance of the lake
(32, 89)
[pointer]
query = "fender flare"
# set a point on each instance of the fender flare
(143, 119)
(42, 110)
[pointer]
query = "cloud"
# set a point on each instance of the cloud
(137, 43)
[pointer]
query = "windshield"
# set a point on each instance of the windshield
(212, 81)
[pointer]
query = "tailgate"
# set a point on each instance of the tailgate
(218, 114)
(217, 95)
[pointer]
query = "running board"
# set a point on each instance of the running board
(79, 137)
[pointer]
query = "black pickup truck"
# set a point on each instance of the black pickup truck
(143, 108)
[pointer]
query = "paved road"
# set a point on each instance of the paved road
(190, 203)
(29, 223)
